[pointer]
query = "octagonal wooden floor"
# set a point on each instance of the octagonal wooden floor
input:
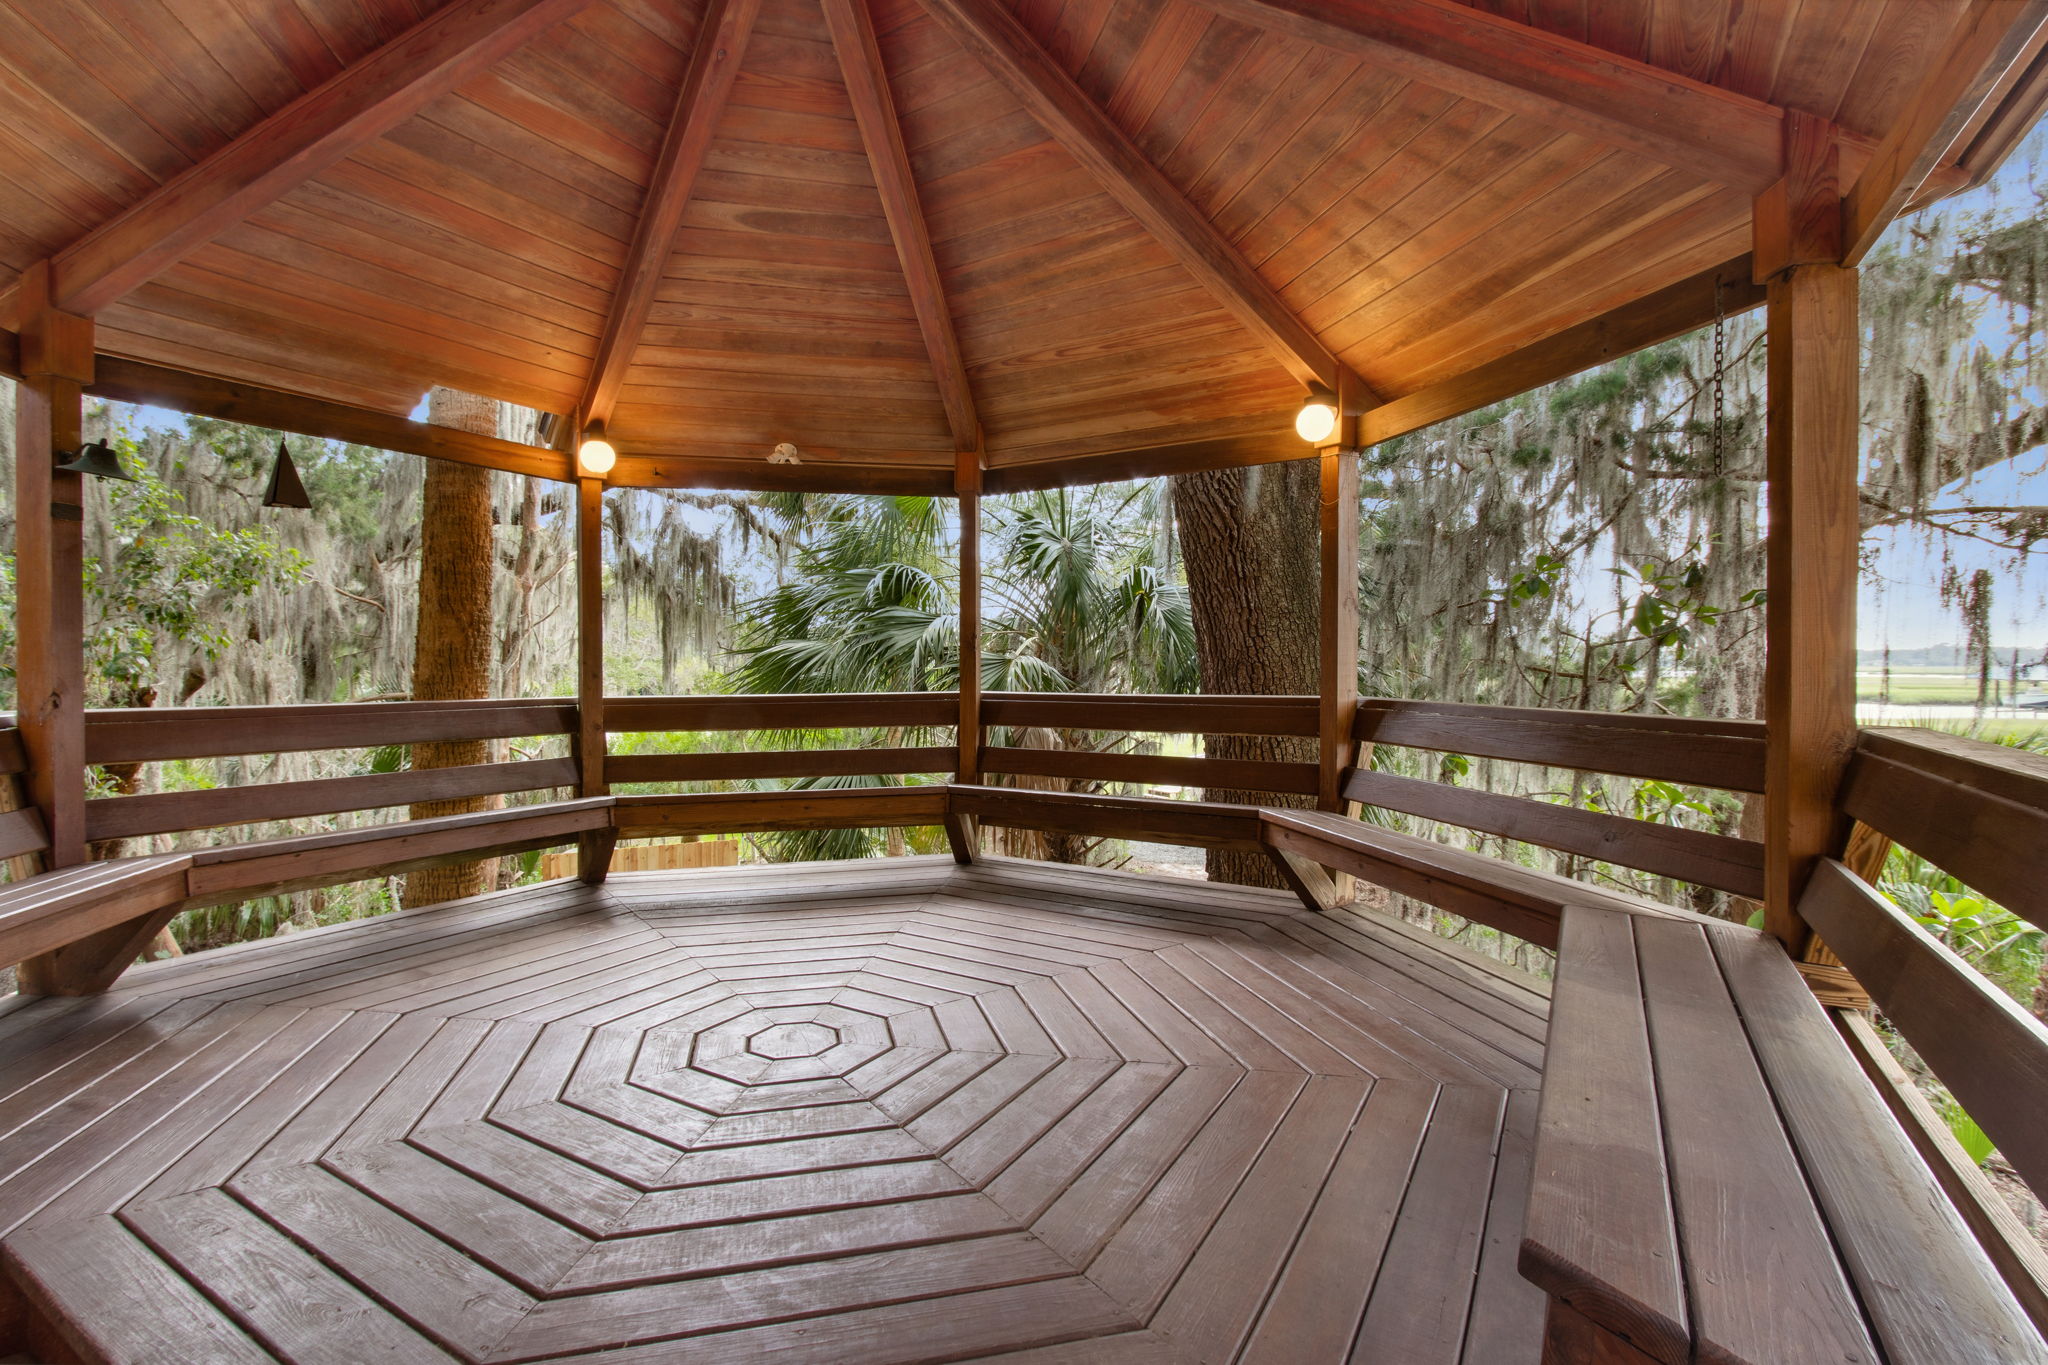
(890, 1111)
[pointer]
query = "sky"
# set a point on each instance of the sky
(1900, 599)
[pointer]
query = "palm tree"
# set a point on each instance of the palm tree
(1082, 596)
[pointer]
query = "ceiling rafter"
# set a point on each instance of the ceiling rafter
(874, 109)
(1525, 70)
(714, 63)
(1990, 38)
(322, 126)
(994, 37)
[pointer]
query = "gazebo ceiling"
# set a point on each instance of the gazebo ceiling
(872, 228)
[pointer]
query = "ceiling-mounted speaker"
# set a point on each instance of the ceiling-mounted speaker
(286, 488)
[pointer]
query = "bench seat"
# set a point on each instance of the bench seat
(1716, 1181)
(1521, 900)
(121, 897)
(273, 867)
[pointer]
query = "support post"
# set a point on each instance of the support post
(963, 832)
(593, 850)
(1338, 679)
(1810, 666)
(56, 363)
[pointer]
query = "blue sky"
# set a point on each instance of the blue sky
(1900, 601)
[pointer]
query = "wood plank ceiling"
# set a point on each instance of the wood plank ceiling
(1406, 218)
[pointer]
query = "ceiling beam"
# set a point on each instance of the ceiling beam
(1990, 37)
(134, 381)
(994, 37)
(1524, 70)
(874, 109)
(721, 42)
(322, 126)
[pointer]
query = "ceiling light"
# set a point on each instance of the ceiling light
(596, 455)
(1317, 420)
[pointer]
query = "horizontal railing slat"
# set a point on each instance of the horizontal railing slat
(123, 817)
(1175, 715)
(143, 736)
(1978, 811)
(1703, 753)
(1716, 860)
(1990, 1053)
(779, 763)
(795, 711)
(1154, 769)
(642, 817)
(1197, 823)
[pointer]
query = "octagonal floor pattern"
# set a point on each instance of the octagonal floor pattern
(882, 1112)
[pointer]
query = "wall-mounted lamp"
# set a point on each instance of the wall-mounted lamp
(1316, 423)
(286, 489)
(595, 455)
(98, 459)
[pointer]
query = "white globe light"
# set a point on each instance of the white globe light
(596, 455)
(1316, 422)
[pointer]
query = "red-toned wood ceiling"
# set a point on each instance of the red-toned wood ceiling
(1410, 228)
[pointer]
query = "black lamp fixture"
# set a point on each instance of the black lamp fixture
(286, 488)
(98, 459)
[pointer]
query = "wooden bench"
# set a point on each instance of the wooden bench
(273, 867)
(1520, 900)
(76, 929)
(1716, 1180)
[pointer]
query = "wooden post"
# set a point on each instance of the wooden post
(56, 363)
(969, 484)
(594, 850)
(1810, 668)
(962, 831)
(1338, 680)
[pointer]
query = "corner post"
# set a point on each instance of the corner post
(57, 364)
(593, 850)
(1815, 529)
(1337, 516)
(960, 830)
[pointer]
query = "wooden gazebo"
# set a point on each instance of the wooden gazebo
(977, 1108)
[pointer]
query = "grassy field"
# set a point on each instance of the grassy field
(1934, 686)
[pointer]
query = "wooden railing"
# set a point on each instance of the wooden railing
(1174, 715)
(144, 736)
(1725, 754)
(828, 711)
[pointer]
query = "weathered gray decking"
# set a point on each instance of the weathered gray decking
(888, 1111)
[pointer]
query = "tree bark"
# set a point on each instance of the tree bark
(452, 646)
(1249, 537)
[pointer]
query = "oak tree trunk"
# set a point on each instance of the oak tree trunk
(452, 646)
(1249, 537)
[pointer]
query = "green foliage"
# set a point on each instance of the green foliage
(166, 576)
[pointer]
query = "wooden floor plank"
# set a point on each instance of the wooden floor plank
(431, 1284)
(749, 1297)
(283, 1296)
(873, 1112)
(74, 1272)
(1423, 1297)
(1216, 1299)
(1315, 1308)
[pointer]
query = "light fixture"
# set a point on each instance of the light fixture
(595, 455)
(1317, 420)
(98, 459)
(286, 489)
